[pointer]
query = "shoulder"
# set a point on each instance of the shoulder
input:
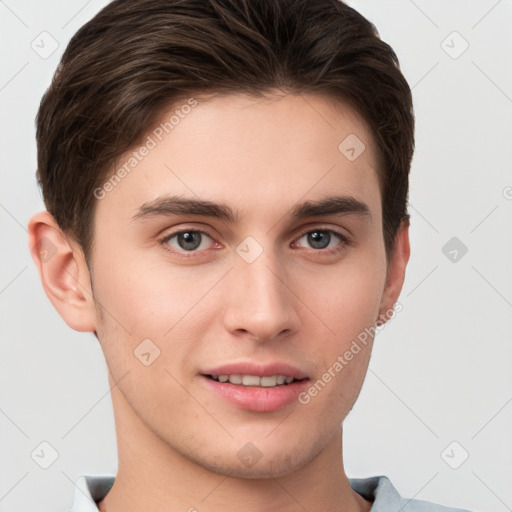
(89, 489)
(386, 498)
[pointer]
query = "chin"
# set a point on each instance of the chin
(260, 470)
(252, 463)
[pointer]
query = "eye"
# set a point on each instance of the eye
(187, 240)
(192, 241)
(326, 240)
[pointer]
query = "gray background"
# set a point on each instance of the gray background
(439, 385)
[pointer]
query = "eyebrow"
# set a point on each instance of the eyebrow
(175, 205)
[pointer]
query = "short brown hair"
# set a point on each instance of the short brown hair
(136, 57)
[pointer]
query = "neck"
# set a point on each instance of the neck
(153, 476)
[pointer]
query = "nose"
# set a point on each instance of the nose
(260, 303)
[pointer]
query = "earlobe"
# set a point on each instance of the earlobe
(395, 272)
(63, 272)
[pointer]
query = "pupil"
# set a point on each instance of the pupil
(315, 239)
(189, 240)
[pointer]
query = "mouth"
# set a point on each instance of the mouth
(254, 387)
(270, 381)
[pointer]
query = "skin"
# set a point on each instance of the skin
(177, 440)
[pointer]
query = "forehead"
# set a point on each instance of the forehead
(250, 152)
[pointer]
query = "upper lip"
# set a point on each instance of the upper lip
(260, 370)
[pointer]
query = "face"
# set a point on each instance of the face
(261, 277)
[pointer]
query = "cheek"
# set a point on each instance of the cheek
(149, 299)
(347, 302)
(152, 309)
(345, 299)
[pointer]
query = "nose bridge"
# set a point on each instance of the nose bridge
(260, 303)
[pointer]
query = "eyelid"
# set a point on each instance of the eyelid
(317, 227)
(163, 240)
(345, 240)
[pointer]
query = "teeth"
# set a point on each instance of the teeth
(254, 380)
(250, 380)
(235, 379)
(268, 381)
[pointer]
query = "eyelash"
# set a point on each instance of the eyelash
(183, 254)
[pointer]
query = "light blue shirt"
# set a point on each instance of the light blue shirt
(377, 489)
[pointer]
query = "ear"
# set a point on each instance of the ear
(395, 273)
(63, 272)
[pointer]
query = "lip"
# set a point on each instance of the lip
(257, 398)
(266, 370)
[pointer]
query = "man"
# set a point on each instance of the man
(226, 185)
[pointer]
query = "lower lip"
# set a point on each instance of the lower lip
(258, 398)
